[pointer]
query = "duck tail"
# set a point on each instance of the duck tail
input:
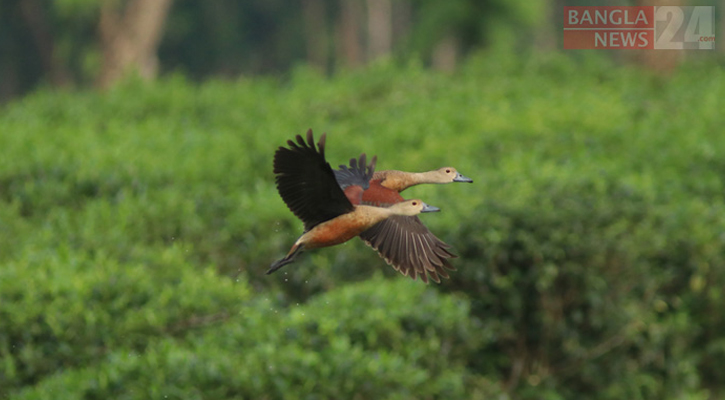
(289, 258)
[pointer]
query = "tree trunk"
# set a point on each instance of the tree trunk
(402, 19)
(660, 61)
(548, 28)
(349, 48)
(316, 39)
(380, 28)
(130, 37)
(445, 54)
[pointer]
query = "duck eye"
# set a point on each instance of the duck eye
(415, 203)
(448, 171)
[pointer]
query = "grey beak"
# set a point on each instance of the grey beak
(461, 178)
(428, 208)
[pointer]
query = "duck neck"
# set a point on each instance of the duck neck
(399, 180)
(372, 215)
(426, 177)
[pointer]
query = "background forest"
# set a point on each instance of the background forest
(138, 210)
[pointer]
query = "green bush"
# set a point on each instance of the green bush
(591, 246)
(64, 309)
(407, 342)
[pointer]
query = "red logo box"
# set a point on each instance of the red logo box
(609, 28)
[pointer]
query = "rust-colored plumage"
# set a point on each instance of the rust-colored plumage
(331, 214)
(399, 180)
(403, 241)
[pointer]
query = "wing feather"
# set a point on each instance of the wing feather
(306, 182)
(410, 248)
(358, 173)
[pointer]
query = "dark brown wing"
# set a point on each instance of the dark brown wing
(306, 183)
(409, 247)
(357, 174)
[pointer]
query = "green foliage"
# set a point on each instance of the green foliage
(399, 348)
(58, 43)
(63, 308)
(136, 226)
(473, 23)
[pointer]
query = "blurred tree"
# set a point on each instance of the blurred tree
(37, 20)
(82, 42)
(660, 61)
(316, 36)
(445, 54)
(130, 37)
(230, 37)
(444, 31)
(721, 42)
(402, 21)
(380, 28)
(549, 28)
(350, 51)
(8, 65)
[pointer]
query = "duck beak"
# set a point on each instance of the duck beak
(461, 178)
(429, 208)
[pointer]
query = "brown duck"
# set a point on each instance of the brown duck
(307, 185)
(403, 241)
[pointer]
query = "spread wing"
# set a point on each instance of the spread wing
(306, 182)
(358, 173)
(409, 247)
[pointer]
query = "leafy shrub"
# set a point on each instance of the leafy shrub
(64, 309)
(591, 241)
(376, 339)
